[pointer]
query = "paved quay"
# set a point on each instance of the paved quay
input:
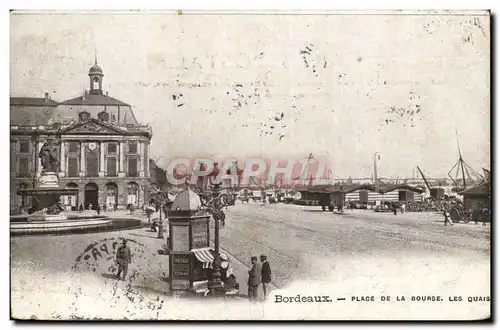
(59, 267)
(310, 252)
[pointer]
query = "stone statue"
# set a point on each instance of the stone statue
(55, 208)
(49, 157)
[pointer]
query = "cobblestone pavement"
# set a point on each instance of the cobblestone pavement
(296, 237)
(72, 276)
(61, 277)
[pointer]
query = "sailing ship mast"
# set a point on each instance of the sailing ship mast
(465, 169)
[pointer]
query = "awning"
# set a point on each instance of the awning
(206, 256)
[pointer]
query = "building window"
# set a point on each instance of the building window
(112, 148)
(111, 167)
(23, 167)
(92, 164)
(24, 201)
(73, 147)
(132, 166)
(24, 147)
(133, 194)
(132, 147)
(73, 167)
(84, 115)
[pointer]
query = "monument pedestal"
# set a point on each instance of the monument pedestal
(48, 180)
(46, 196)
(49, 194)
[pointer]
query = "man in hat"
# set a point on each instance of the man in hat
(265, 274)
(123, 258)
(253, 279)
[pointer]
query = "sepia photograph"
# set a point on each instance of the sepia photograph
(225, 165)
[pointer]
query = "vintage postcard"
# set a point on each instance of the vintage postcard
(239, 165)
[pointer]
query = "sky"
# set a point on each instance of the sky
(339, 86)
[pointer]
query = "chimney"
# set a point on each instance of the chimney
(46, 97)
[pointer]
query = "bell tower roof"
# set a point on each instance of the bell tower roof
(95, 69)
(96, 75)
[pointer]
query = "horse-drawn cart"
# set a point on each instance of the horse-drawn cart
(460, 213)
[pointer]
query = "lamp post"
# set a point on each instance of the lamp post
(217, 213)
(214, 205)
(216, 287)
(160, 200)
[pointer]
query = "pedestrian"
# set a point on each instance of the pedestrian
(265, 274)
(123, 258)
(132, 209)
(395, 209)
(403, 208)
(105, 207)
(89, 207)
(149, 212)
(254, 275)
(98, 208)
(80, 208)
(447, 218)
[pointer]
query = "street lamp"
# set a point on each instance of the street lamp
(214, 205)
(161, 200)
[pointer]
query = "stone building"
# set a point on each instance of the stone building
(104, 151)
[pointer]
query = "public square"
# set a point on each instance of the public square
(360, 252)
(205, 117)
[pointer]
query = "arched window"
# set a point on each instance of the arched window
(133, 194)
(91, 195)
(96, 83)
(111, 195)
(22, 200)
(71, 201)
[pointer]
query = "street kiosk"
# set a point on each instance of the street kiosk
(189, 229)
(190, 254)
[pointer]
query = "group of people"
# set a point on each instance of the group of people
(260, 273)
(89, 207)
(111, 207)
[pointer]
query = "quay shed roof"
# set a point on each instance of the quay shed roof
(477, 191)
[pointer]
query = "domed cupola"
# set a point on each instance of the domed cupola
(96, 75)
(95, 69)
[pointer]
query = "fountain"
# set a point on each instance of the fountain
(46, 214)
